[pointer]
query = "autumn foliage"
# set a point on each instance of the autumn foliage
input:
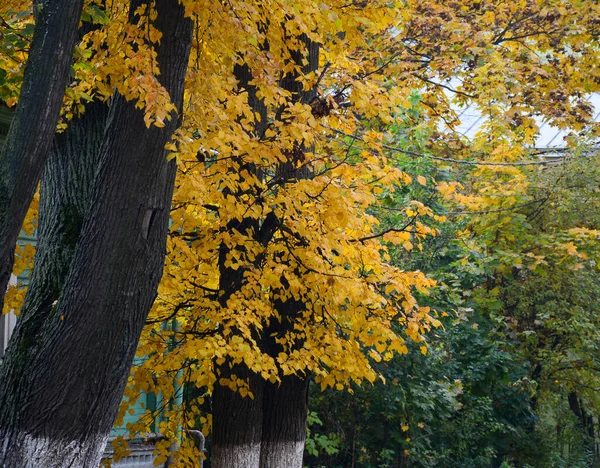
(285, 192)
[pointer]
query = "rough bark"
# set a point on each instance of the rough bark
(285, 404)
(285, 409)
(69, 396)
(237, 422)
(30, 135)
(64, 193)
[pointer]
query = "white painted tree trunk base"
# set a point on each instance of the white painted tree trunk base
(21, 450)
(283, 455)
(236, 456)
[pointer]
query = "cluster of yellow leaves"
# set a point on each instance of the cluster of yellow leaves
(118, 55)
(244, 204)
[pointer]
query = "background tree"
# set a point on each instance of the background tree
(511, 378)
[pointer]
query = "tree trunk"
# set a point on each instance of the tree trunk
(64, 192)
(285, 409)
(586, 422)
(285, 405)
(270, 430)
(30, 135)
(60, 412)
(237, 422)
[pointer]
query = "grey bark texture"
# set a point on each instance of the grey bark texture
(285, 409)
(32, 129)
(237, 422)
(64, 195)
(61, 384)
(284, 404)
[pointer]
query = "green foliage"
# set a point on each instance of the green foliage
(517, 357)
(316, 443)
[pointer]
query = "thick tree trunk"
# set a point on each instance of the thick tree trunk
(268, 431)
(285, 405)
(46, 76)
(237, 420)
(64, 194)
(61, 410)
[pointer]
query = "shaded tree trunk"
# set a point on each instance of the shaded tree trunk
(64, 192)
(586, 421)
(60, 411)
(270, 430)
(237, 420)
(32, 129)
(285, 404)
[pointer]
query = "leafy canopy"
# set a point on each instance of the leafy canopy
(285, 192)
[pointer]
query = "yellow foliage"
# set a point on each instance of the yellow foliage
(350, 293)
